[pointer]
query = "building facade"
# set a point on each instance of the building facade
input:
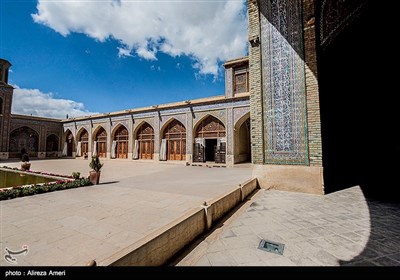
(209, 130)
(37, 136)
(296, 107)
(213, 130)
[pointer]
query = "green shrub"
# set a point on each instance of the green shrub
(95, 164)
(42, 188)
(76, 175)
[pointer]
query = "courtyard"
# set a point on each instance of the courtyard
(135, 199)
(73, 227)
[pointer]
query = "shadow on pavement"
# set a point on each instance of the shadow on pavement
(359, 119)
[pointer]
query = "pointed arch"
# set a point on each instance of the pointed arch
(209, 140)
(96, 130)
(167, 122)
(52, 145)
(174, 136)
(69, 143)
(120, 136)
(242, 144)
(115, 129)
(137, 127)
(144, 141)
(198, 122)
(241, 120)
(81, 130)
(82, 138)
(24, 140)
(209, 127)
(100, 141)
(65, 133)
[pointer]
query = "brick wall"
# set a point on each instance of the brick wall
(312, 90)
(256, 117)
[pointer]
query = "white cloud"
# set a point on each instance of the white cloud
(37, 103)
(124, 51)
(208, 31)
(147, 54)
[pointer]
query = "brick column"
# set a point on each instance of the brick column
(256, 108)
(157, 137)
(189, 137)
(6, 93)
(312, 90)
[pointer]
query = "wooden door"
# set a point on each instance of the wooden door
(146, 149)
(175, 133)
(171, 150)
(85, 148)
(122, 149)
(176, 149)
(121, 136)
(84, 139)
(101, 139)
(145, 137)
(102, 149)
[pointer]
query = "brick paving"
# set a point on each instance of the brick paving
(342, 228)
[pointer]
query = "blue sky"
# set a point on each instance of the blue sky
(80, 57)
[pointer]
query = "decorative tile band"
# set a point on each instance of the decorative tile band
(283, 82)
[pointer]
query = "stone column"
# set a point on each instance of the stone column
(189, 137)
(42, 142)
(229, 136)
(90, 139)
(109, 138)
(130, 138)
(75, 141)
(157, 137)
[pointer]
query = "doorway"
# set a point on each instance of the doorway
(209, 133)
(175, 134)
(358, 115)
(70, 144)
(211, 145)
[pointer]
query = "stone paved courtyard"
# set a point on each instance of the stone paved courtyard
(135, 198)
(342, 228)
(74, 226)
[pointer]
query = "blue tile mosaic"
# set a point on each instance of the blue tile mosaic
(283, 82)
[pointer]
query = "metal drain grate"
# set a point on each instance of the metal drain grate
(272, 247)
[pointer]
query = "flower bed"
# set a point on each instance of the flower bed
(19, 191)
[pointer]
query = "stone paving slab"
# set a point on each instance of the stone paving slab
(342, 228)
(72, 227)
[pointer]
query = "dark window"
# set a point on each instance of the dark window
(1, 106)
